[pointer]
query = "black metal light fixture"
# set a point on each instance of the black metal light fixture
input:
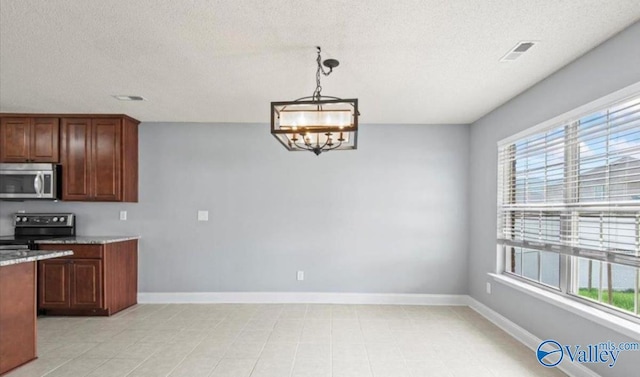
(316, 123)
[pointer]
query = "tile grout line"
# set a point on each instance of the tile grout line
(331, 342)
(154, 352)
(365, 344)
(404, 360)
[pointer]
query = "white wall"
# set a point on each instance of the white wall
(390, 217)
(609, 67)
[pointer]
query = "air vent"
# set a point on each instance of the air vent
(129, 98)
(517, 51)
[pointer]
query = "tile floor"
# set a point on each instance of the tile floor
(236, 340)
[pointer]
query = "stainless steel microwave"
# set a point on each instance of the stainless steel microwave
(29, 181)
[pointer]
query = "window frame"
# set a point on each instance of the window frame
(568, 259)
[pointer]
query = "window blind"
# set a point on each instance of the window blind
(574, 188)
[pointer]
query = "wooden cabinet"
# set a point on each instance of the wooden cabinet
(97, 280)
(107, 159)
(55, 275)
(29, 139)
(86, 284)
(17, 315)
(71, 283)
(100, 159)
(98, 153)
(76, 155)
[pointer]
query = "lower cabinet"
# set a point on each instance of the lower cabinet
(70, 283)
(17, 315)
(97, 280)
(86, 284)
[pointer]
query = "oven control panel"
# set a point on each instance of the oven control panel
(43, 220)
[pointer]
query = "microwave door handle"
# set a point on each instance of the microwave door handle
(41, 183)
(38, 183)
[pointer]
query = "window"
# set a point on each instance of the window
(569, 207)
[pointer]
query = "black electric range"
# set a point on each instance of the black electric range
(30, 227)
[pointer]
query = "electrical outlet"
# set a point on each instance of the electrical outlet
(203, 215)
(488, 288)
(300, 275)
(123, 215)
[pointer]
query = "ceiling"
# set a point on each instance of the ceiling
(422, 61)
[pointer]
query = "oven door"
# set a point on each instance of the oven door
(28, 181)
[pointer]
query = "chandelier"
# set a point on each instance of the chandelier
(316, 123)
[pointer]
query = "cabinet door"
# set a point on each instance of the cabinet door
(53, 284)
(17, 315)
(14, 139)
(45, 133)
(76, 154)
(86, 283)
(106, 141)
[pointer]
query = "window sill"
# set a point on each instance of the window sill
(624, 327)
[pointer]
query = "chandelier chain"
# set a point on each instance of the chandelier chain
(317, 94)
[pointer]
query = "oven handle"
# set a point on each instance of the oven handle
(38, 183)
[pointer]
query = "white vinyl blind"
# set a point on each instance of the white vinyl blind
(575, 187)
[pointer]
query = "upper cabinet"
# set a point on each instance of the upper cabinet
(29, 139)
(98, 153)
(99, 156)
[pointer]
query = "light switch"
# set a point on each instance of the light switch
(203, 215)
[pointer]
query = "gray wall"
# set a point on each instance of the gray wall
(609, 67)
(390, 217)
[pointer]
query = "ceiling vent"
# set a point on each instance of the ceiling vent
(517, 51)
(129, 98)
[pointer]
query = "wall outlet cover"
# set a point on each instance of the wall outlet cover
(203, 215)
(300, 275)
(488, 288)
(123, 215)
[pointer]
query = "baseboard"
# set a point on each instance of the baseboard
(525, 337)
(300, 297)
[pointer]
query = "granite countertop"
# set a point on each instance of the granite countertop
(81, 240)
(10, 257)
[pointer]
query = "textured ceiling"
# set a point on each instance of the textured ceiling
(424, 61)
